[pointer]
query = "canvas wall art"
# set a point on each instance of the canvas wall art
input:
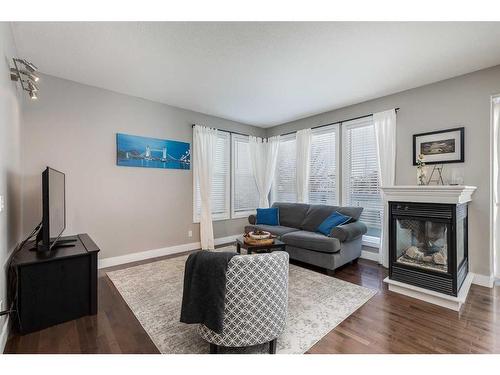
(145, 152)
(443, 146)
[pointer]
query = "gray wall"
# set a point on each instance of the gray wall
(10, 177)
(72, 128)
(461, 101)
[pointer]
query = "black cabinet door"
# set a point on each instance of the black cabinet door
(53, 292)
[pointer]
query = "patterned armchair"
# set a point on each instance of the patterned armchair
(256, 302)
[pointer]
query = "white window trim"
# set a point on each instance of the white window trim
(338, 170)
(226, 214)
(283, 138)
(239, 214)
(369, 241)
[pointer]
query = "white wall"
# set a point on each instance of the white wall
(10, 179)
(72, 128)
(461, 101)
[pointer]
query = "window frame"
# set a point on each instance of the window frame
(284, 138)
(227, 188)
(338, 170)
(370, 241)
(238, 214)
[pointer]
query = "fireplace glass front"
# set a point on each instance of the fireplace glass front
(422, 244)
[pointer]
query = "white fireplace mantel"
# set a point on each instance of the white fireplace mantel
(450, 194)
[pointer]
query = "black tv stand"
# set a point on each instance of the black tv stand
(55, 286)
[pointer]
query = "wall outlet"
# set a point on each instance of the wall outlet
(2, 203)
(190, 233)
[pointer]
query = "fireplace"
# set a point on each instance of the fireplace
(428, 245)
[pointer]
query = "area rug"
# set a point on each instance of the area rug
(317, 304)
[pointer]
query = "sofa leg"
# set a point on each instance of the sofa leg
(214, 349)
(272, 346)
(354, 261)
(330, 272)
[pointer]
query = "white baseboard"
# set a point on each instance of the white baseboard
(483, 280)
(4, 333)
(369, 255)
(226, 240)
(142, 255)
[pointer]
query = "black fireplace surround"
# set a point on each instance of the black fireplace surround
(428, 245)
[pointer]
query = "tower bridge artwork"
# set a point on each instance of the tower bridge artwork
(136, 151)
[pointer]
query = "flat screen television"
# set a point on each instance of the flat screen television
(53, 209)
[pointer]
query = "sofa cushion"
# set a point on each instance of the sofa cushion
(292, 214)
(277, 230)
(268, 216)
(332, 221)
(317, 213)
(312, 241)
(354, 212)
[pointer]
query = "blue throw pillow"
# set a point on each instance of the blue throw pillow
(331, 222)
(268, 216)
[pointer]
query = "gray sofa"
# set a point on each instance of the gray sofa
(297, 229)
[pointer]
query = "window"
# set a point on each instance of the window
(220, 182)
(284, 187)
(245, 195)
(360, 174)
(323, 175)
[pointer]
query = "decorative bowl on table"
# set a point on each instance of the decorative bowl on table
(258, 237)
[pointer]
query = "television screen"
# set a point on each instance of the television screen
(57, 217)
(53, 209)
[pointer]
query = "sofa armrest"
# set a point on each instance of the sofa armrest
(348, 232)
(252, 219)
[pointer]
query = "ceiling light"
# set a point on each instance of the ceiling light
(24, 72)
(32, 86)
(31, 67)
(33, 76)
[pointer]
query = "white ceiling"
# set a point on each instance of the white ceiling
(259, 73)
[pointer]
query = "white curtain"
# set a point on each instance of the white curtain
(303, 164)
(204, 147)
(385, 135)
(264, 155)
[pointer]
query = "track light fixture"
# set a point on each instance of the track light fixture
(24, 72)
(32, 76)
(32, 86)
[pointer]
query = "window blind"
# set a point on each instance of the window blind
(220, 181)
(284, 187)
(245, 197)
(323, 175)
(361, 185)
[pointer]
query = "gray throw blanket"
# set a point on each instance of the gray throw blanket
(205, 289)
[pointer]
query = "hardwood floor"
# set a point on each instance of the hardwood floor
(388, 323)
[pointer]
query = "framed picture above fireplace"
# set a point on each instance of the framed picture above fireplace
(439, 147)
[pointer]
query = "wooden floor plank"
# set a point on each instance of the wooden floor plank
(388, 323)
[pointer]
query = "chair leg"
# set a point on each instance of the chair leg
(272, 346)
(214, 349)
